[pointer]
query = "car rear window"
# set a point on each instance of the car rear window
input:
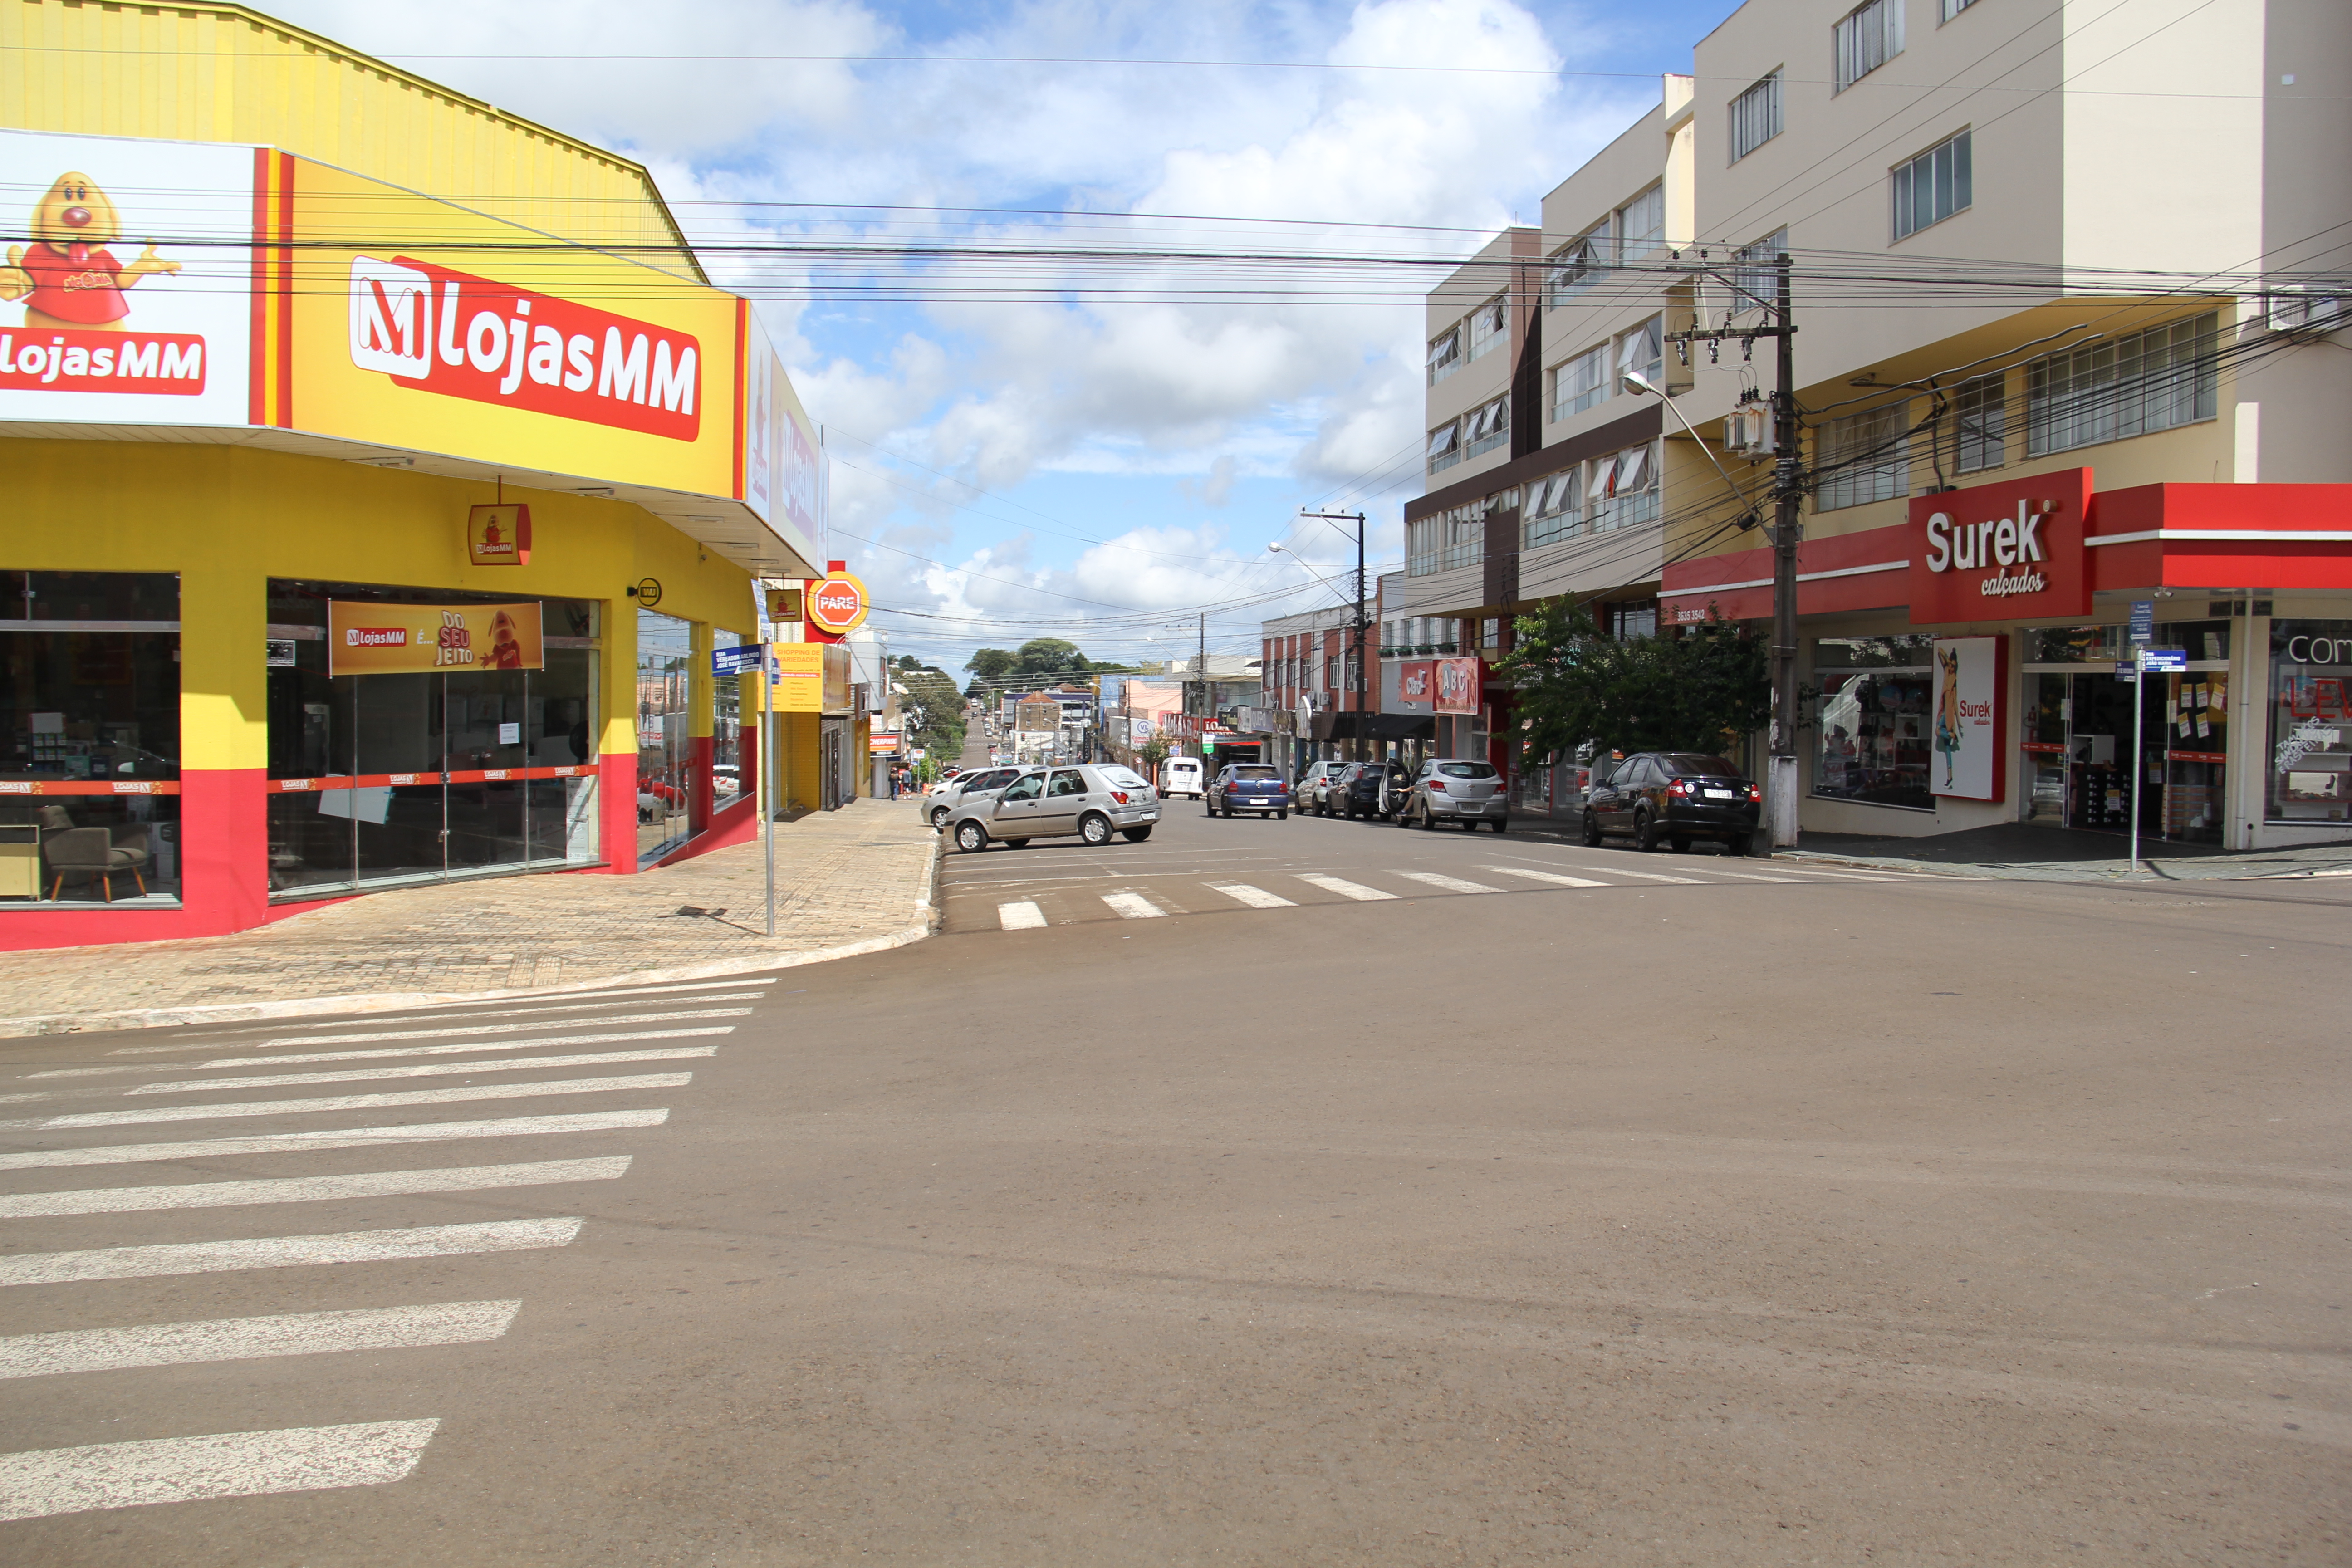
(1124, 779)
(1699, 765)
(1466, 770)
(1255, 772)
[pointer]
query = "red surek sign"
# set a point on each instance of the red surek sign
(2009, 551)
(462, 336)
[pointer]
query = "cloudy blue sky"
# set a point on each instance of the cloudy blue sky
(1015, 451)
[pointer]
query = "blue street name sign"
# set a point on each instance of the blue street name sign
(2171, 660)
(736, 660)
(2143, 621)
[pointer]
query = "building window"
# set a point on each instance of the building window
(1581, 384)
(1633, 618)
(1445, 446)
(1932, 186)
(1485, 428)
(1754, 272)
(1980, 425)
(1445, 354)
(1864, 458)
(1486, 327)
(2309, 778)
(1755, 116)
(1954, 7)
(1643, 349)
(1873, 731)
(1555, 508)
(1454, 538)
(1624, 490)
(1641, 225)
(1869, 36)
(2155, 380)
(1575, 266)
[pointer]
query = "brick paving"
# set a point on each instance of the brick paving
(857, 879)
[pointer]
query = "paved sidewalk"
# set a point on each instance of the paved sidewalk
(853, 880)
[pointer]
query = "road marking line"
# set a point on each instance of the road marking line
(1551, 877)
(384, 1052)
(1022, 916)
(1451, 884)
(347, 1138)
(354, 1101)
(495, 1028)
(309, 1189)
(1750, 876)
(46, 1481)
(1342, 887)
(1256, 898)
(250, 1339)
(214, 1038)
(1133, 906)
(428, 1069)
(285, 1251)
(1644, 876)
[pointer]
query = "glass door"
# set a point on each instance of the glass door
(665, 678)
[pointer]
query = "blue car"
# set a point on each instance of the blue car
(1249, 786)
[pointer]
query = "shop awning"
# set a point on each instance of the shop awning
(1865, 571)
(2271, 537)
(1374, 727)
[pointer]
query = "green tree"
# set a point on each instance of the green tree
(1151, 753)
(934, 710)
(1697, 690)
(989, 667)
(1049, 657)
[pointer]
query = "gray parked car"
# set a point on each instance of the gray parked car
(1090, 801)
(1456, 789)
(1313, 786)
(952, 793)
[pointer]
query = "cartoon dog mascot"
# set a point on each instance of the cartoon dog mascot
(73, 280)
(506, 648)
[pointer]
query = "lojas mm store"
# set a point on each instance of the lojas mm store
(1974, 664)
(356, 539)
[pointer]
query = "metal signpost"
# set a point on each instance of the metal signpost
(2146, 660)
(734, 662)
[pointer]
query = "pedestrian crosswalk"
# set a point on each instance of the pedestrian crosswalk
(1164, 895)
(112, 1219)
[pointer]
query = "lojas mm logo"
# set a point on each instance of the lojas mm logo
(438, 331)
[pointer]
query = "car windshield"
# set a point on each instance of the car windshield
(1699, 765)
(1255, 772)
(1466, 770)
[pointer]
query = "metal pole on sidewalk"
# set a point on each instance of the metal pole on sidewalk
(1788, 491)
(768, 780)
(2138, 766)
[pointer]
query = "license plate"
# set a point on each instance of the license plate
(1150, 817)
(1722, 795)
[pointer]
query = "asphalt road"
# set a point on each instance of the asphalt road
(1817, 1219)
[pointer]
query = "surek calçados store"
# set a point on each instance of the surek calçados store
(357, 538)
(1973, 664)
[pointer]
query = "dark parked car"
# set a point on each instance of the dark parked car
(1370, 789)
(1249, 786)
(1676, 797)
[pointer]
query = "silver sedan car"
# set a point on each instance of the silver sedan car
(1456, 789)
(952, 793)
(1090, 801)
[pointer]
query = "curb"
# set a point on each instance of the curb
(396, 1001)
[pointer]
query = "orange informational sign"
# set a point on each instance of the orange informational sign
(497, 345)
(366, 639)
(499, 534)
(784, 605)
(796, 677)
(838, 604)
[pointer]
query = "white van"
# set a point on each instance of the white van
(1181, 775)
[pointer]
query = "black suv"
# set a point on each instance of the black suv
(1370, 789)
(1675, 796)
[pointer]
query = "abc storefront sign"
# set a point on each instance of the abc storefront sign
(370, 638)
(1457, 685)
(126, 284)
(2011, 550)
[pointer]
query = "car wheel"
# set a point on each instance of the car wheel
(971, 837)
(1499, 826)
(1428, 819)
(1135, 834)
(1095, 828)
(1282, 817)
(1646, 834)
(1735, 844)
(1016, 844)
(939, 818)
(1681, 844)
(1592, 831)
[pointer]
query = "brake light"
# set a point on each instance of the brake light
(1437, 786)
(1755, 792)
(1119, 795)
(1679, 787)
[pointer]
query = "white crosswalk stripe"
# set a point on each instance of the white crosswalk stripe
(47, 1481)
(1342, 887)
(1021, 915)
(1645, 875)
(1451, 884)
(1256, 898)
(242, 1339)
(1553, 878)
(442, 1042)
(311, 1189)
(285, 1251)
(1133, 906)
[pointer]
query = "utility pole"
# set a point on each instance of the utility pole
(1363, 672)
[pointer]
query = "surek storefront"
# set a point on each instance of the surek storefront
(360, 539)
(1974, 664)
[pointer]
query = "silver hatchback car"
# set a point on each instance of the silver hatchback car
(1090, 801)
(1456, 789)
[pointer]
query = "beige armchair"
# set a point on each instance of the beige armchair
(86, 854)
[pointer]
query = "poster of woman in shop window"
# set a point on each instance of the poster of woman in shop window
(1967, 718)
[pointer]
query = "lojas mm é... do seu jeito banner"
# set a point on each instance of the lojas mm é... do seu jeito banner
(366, 638)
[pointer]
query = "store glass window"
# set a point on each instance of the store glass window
(2309, 776)
(664, 752)
(726, 728)
(385, 779)
(1873, 730)
(89, 738)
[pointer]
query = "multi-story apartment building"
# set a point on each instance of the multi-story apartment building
(2067, 280)
(1307, 670)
